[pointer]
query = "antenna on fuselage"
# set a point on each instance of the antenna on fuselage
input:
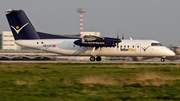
(130, 38)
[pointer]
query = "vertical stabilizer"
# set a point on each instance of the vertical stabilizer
(20, 25)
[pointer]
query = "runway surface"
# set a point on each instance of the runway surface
(166, 62)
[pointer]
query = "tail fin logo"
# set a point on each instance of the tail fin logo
(18, 29)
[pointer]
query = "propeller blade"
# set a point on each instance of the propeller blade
(118, 40)
(117, 44)
(123, 35)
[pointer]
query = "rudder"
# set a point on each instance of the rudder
(20, 25)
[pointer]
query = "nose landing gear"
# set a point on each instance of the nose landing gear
(163, 59)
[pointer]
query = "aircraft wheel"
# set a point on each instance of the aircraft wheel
(92, 58)
(98, 58)
(162, 59)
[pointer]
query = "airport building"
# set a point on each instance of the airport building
(7, 41)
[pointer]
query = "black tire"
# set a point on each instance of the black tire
(98, 58)
(163, 59)
(92, 58)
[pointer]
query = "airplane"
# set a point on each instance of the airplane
(25, 35)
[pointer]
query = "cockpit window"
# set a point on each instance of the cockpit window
(156, 44)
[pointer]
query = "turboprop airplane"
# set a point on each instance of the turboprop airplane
(93, 46)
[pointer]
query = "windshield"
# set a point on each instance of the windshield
(156, 44)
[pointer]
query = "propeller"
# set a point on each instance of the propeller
(118, 40)
(123, 35)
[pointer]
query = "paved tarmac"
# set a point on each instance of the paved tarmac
(66, 61)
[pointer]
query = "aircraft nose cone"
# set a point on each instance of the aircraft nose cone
(172, 53)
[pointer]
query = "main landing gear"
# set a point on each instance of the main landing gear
(98, 58)
(94, 53)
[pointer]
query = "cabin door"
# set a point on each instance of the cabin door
(138, 48)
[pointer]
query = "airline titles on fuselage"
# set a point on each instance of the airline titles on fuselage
(128, 49)
(132, 49)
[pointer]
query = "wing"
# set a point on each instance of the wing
(94, 41)
(90, 38)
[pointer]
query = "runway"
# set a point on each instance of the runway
(64, 61)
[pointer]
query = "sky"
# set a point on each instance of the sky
(140, 19)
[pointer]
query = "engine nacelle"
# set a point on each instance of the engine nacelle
(107, 42)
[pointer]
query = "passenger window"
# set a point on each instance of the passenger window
(138, 46)
(41, 42)
(37, 42)
(121, 46)
(133, 46)
(128, 46)
(124, 46)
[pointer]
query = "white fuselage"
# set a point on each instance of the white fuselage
(126, 48)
